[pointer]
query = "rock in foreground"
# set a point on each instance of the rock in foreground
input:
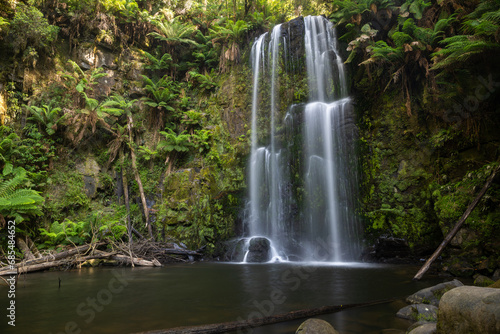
(316, 326)
(469, 309)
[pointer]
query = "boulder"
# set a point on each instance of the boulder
(259, 250)
(469, 309)
(481, 280)
(315, 326)
(433, 294)
(495, 285)
(428, 328)
(418, 312)
(496, 275)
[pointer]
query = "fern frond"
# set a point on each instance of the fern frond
(7, 187)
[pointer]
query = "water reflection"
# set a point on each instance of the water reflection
(203, 293)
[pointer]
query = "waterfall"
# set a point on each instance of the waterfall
(302, 194)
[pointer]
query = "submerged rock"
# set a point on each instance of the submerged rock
(433, 294)
(469, 309)
(259, 250)
(316, 326)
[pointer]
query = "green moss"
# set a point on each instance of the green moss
(65, 195)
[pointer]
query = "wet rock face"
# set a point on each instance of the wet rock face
(389, 249)
(237, 253)
(259, 250)
(293, 32)
(89, 168)
(469, 309)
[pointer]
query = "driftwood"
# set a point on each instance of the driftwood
(257, 322)
(136, 261)
(23, 269)
(457, 226)
(176, 251)
(141, 253)
(46, 262)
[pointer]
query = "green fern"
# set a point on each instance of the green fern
(480, 35)
(17, 202)
(459, 49)
(7, 143)
(47, 117)
(156, 64)
(175, 142)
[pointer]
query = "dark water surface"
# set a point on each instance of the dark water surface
(128, 300)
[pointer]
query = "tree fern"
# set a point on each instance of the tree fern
(47, 117)
(459, 49)
(481, 35)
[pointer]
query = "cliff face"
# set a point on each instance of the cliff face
(422, 169)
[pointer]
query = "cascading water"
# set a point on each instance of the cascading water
(266, 170)
(302, 195)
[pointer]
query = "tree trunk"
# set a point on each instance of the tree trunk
(129, 222)
(25, 249)
(130, 125)
(456, 228)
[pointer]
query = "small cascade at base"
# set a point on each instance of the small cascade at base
(261, 249)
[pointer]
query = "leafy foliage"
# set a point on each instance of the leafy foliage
(16, 200)
(161, 93)
(47, 117)
(65, 233)
(7, 143)
(30, 28)
(481, 28)
(174, 142)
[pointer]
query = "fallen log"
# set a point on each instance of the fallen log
(457, 227)
(136, 261)
(23, 269)
(46, 261)
(176, 251)
(257, 322)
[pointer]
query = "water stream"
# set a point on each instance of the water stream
(323, 215)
